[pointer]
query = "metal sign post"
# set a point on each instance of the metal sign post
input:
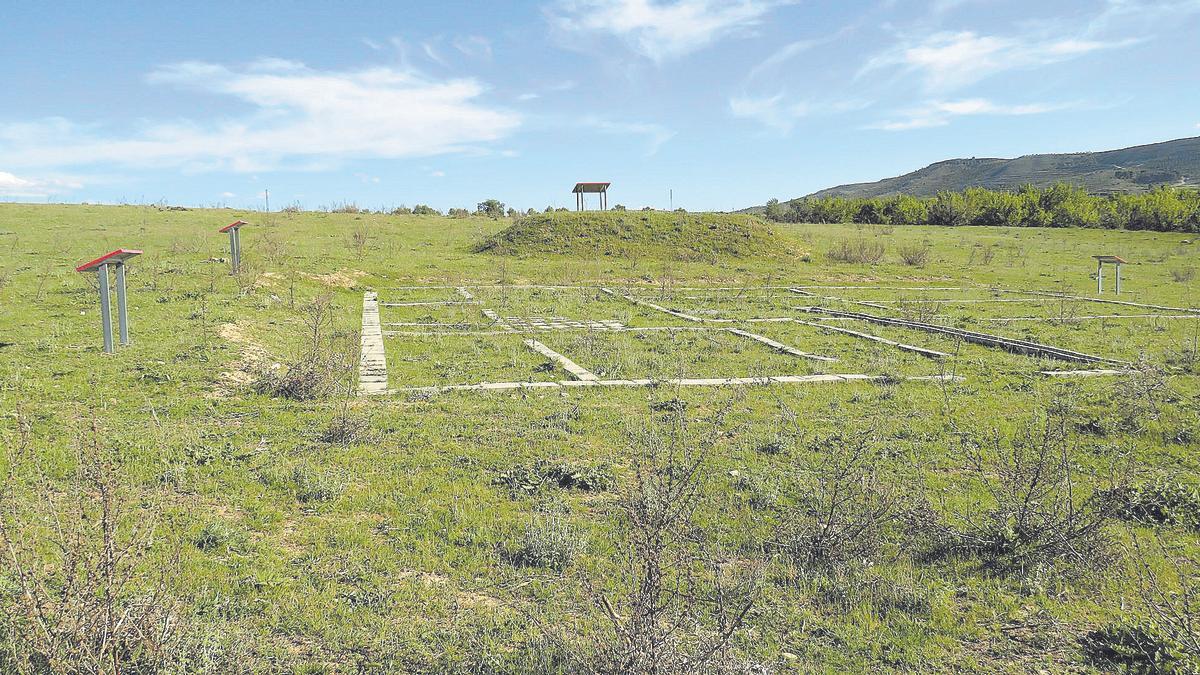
(1116, 262)
(100, 266)
(235, 244)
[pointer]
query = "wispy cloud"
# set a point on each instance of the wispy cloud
(12, 185)
(779, 114)
(661, 31)
(655, 134)
(940, 113)
(301, 118)
(950, 60)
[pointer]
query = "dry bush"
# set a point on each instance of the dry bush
(325, 364)
(687, 598)
(1182, 276)
(859, 251)
(94, 600)
(1034, 519)
(915, 255)
(359, 239)
(1164, 635)
(845, 507)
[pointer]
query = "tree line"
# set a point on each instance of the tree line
(1165, 209)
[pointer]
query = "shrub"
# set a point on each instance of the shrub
(548, 542)
(843, 509)
(1182, 276)
(346, 428)
(1134, 647)
(915, 255)
(89, 595)
(1162, 502)
(1034, 518)
(860, 251)
(424, 210)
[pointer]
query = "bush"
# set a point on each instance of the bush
(860, 251)
(548, 542)
(1162, 502)
(424, 210)
(844, 508)
(1134, 647)
(915, 255)
(1034, 519)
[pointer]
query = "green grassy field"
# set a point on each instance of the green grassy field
(432, 540)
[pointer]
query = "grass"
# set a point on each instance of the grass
(408, 551)
(653, 234)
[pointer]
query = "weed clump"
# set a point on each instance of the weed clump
(1161, 502)
(534, 477)
(1135, 647)
(550, 543)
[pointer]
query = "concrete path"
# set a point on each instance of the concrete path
(568, 365)
(372, 363)
(683, 382)
(779, 346)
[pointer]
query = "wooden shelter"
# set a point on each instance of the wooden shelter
(591, 188)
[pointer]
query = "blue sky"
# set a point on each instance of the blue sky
(725, 103)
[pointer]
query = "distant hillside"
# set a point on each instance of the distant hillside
(1136, 169)
(685, 236)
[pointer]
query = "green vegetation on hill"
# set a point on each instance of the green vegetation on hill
(1165, 209)
(1136, 169)
(682, 236)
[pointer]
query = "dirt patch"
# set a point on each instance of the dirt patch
(338, 279)
(253, 357)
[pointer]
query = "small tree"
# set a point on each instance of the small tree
(493, 208)
(776, 211)
(424, 210)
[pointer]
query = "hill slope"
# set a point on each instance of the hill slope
(684, 236)
(1136, 169)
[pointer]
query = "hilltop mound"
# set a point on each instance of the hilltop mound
(684, 236)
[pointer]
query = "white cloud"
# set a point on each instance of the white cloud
(661, 31)
(940, 113)
(301, 118)
(227, 195)
(950, 60)
(12, 185)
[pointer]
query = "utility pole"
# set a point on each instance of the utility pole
(672, 193)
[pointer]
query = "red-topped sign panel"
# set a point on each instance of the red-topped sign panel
(233, 226)
(117, 256)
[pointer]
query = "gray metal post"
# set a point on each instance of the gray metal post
(1099, 277)
(105, 311)
(1118, 278)
(235, 250)
(122, 315)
